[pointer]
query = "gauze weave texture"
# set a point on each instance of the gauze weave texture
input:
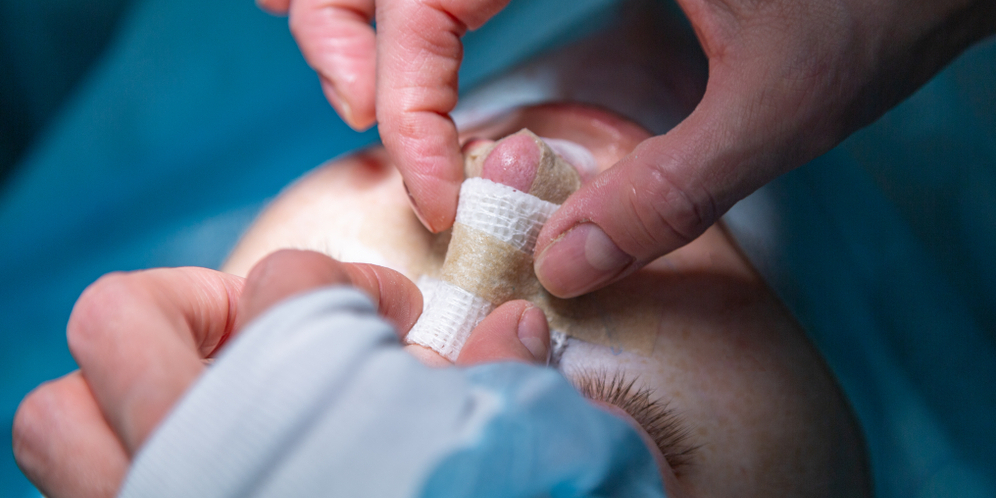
(493, 239)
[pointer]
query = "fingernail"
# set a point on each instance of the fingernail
(415, 208)
(581, 261)
(340, 104)
(534, 333)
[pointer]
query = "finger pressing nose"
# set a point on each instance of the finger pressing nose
(289, 272)
(515, 331)
(284, 274)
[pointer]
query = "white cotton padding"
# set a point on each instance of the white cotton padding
(454, 315)
(449, 315)
(505, 213)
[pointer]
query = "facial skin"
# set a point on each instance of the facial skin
(759, 412)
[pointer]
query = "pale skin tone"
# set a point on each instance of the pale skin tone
(142, 338)
(766, 417)
(761, 410)
(788, 80)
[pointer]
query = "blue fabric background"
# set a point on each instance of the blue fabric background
(145, 133)
(149, 133)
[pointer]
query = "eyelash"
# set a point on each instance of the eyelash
(663, 425)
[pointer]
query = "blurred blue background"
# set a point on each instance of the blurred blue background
(142, 133)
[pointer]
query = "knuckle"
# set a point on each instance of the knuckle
(668, 212)
(99, 303)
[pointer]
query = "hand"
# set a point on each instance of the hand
(405, 73)
(788, 80)
(141, 339)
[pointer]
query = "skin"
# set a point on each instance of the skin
(764, 415)
(787, 80)
(759, 404)
(142, 338)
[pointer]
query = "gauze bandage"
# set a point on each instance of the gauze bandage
(489, 260)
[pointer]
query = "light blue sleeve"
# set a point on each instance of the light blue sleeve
(317, 398)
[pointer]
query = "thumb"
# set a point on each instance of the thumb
(515, 331)
(665, 193)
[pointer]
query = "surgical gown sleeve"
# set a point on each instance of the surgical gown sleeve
(317, 398)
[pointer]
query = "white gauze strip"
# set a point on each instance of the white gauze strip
(449, 313)
(503, 213)
(507, 214)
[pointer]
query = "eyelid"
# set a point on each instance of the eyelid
(665, 426)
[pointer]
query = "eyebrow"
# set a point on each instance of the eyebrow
(664, 425)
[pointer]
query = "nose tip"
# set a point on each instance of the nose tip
(513, 162)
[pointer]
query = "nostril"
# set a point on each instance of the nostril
(513, 162)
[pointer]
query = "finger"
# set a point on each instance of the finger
(283, 274)
(397, 298)
(418, 56)
(339, 43)
(515, 331)
(276, 7)
(288, 272)
(140, 339)
(63, 444)
(666, 192)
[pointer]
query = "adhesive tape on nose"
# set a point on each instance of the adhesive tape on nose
(449, 314)
(502, 212)
(489, 261)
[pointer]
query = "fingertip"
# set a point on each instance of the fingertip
(397, 298)
(515, 331)
(274, 7)
(285, 273)
(339, 43)
(434, 206)
(63, 444)
(360, 117)
(581, 260)
(534, 333)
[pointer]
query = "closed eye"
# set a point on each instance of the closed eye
(668, 431)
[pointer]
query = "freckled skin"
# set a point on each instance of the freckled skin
(760, 405)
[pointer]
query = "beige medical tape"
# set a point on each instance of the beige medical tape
(489, 262)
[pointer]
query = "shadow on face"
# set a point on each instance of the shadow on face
(750, 406)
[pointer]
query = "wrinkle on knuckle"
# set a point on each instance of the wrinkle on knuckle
(666, 209)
